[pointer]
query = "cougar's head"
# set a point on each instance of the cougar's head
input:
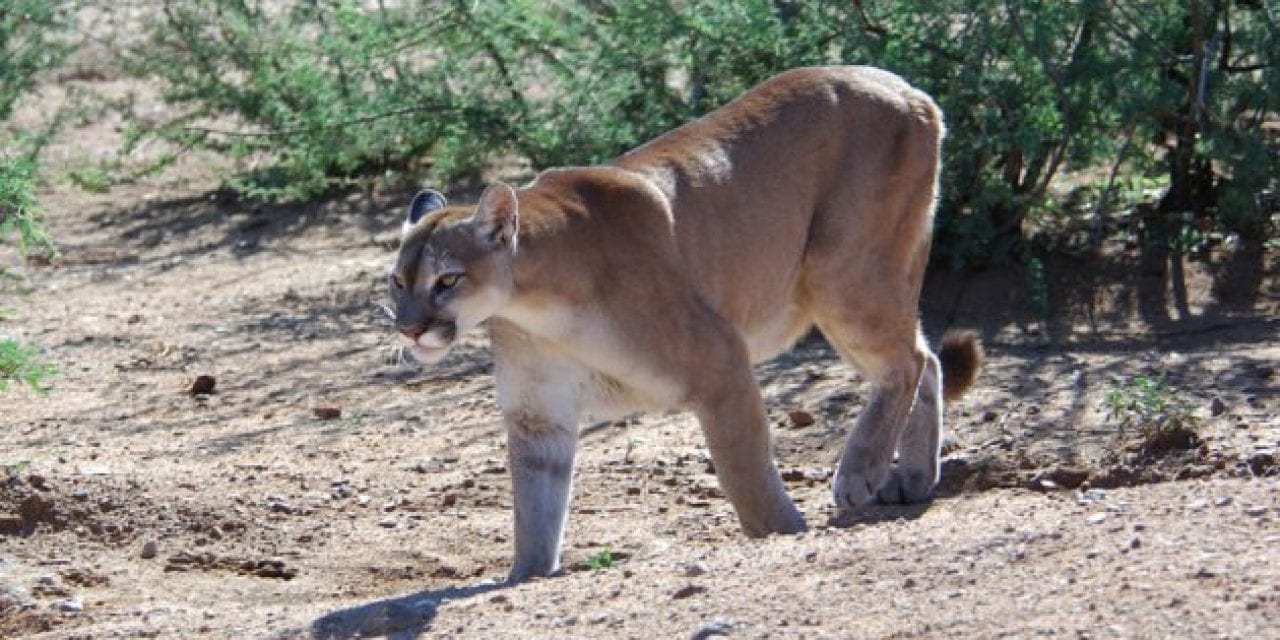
(454, 268)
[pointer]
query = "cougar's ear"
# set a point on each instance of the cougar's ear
(497, 217)
(425, 202)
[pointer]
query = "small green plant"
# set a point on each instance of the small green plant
(1152, 408)
(21, 363)
(632, 443)
(15, 468)
(600, 561)
(1038, 286)
(92, 177)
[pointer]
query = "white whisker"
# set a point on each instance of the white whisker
(386, 310)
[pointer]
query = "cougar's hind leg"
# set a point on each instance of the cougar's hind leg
(916, 472)
(864, 268)
(893, 363)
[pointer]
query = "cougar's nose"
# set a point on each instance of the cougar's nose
(412, 331)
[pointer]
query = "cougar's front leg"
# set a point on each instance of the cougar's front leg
(541, 452)
(727, 402)
(539, 394)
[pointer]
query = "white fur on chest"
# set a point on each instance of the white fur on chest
(582, 355)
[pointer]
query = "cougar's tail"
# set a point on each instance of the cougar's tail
(961, 357)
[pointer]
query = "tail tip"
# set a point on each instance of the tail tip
(961, 357)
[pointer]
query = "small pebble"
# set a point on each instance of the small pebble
(327, 413)
(203, 385)
(695, 569)
(149, 549)
(1217, 407)
(717, 627)
(800, 418)
(72, 605)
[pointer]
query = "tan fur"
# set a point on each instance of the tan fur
(656, 280)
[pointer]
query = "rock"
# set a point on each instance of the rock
(327, 413)
(149, 550)
(805, 474)
(1068, 477)
(36, 508)
(717, 627)
(71, 605)
(203, 385)
(1097, 518)
(688, 591)
(800, 418)
(49, 587)
(1261, 462)
(11, 523)
(1255, 510)
(388, 522)
(1089, 496)
(792, 475)
(695, 569)
(1217, 407)
(13, 598)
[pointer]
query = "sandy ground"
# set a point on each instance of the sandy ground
(323, 489)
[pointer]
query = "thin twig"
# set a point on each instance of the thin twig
(1102, 208)
(272, 133)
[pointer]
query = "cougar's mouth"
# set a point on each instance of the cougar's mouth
(433, 344)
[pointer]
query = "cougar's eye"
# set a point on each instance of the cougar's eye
(448, 280)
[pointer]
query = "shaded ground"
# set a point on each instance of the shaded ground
(130, 507)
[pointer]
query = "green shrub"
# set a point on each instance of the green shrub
(20, 220)
(320, 95)
(19, 215)
(29, 44)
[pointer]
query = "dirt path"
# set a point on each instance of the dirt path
(323, 489)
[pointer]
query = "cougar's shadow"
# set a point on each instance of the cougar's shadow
(403, 617)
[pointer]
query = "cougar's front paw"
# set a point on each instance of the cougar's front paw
(525, 570)
(906, 486)
(858, 478)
